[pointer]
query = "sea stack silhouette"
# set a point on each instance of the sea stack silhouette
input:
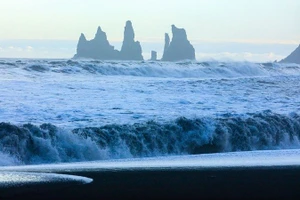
(294, 57)
(130, 50)
(179, 48)
(99, 47)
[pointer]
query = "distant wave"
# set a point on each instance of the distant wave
(30, 144)
(183, 69)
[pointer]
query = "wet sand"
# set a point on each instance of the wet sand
(210, 183)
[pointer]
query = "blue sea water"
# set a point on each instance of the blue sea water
(54, 111)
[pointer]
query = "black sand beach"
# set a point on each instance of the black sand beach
(210, 183)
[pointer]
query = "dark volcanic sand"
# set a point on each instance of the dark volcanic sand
(211, 183)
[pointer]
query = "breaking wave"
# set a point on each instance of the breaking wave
(182, 69)
(30, 144)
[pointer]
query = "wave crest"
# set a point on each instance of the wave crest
(47, 143)
(182, 69)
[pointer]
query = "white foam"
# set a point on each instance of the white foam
(18, 179)
(74, 94)
(86, 93)
(221, 160)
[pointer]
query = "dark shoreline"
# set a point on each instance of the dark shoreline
(209, 183)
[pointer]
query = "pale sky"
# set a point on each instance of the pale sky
(206, 21)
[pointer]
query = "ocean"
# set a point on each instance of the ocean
(54, 111)
(89, 129)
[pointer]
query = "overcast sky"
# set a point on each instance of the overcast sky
(256, 22)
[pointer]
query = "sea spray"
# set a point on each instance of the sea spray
(258, 131)
(46, 144)
(8, 160)
(30, 144)
(180, 69)
(91, 93)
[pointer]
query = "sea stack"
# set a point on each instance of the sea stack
(99, 47)
(167, 43)
(179, 48)
(294, 57)
(131, 50)
(153, 56)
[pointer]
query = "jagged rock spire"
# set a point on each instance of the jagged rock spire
(130, 50)
(179, 48)
(99, 47)
(167, 44)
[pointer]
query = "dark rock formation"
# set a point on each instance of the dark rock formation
(167, 43)
(153, 55)
(294, 57)
(99, 47)
(179, 48)
(130, 50)
(82, 46)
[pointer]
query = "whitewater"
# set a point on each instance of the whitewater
(54, 111)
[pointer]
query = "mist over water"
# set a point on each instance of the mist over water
(77, 110)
